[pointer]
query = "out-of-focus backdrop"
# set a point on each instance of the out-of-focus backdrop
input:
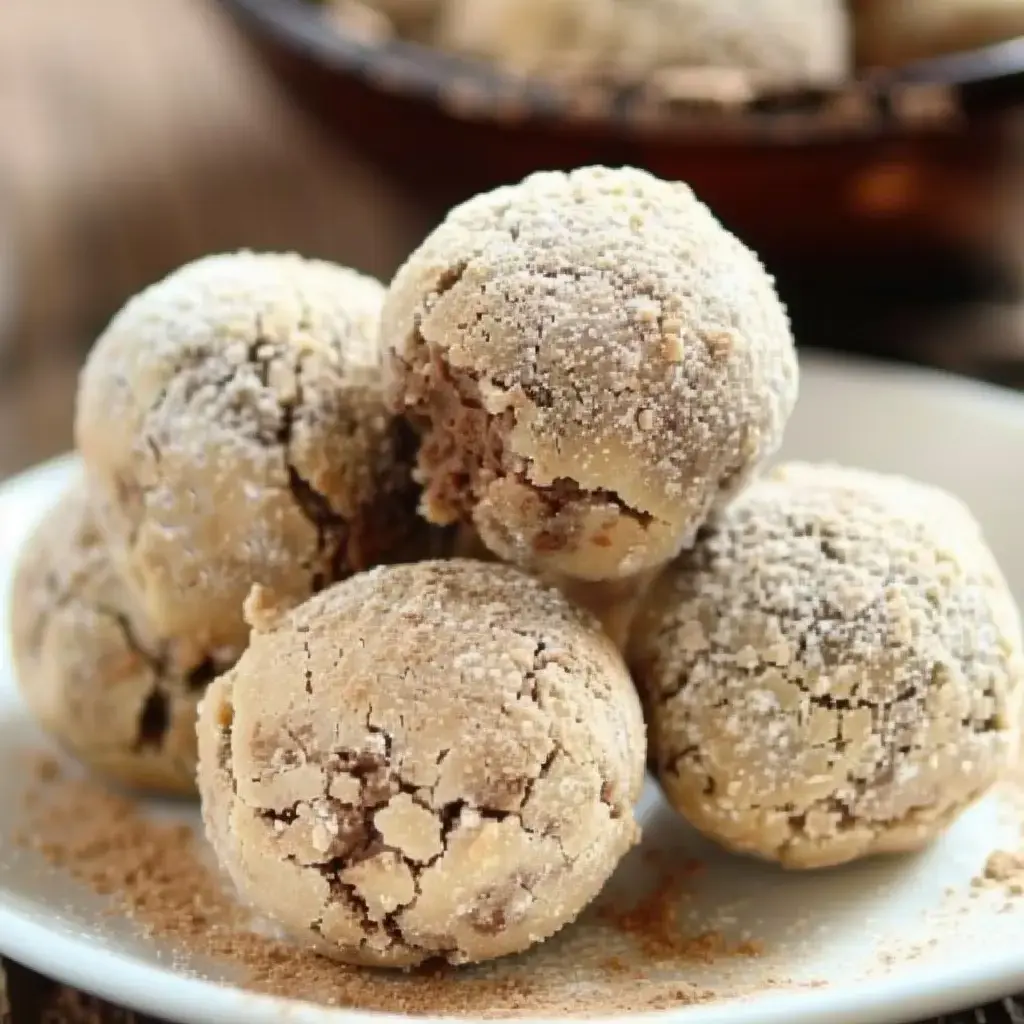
(135, 136)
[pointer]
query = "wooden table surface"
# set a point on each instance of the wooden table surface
(135, 136)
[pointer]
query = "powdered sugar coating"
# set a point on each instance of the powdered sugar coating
(436, 760)
(834, 671)
(898, 32)
(612, 602)
(92, 671)
(595, 363)
(776, 42)
(233, 429)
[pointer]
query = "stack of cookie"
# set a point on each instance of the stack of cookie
(578, 379)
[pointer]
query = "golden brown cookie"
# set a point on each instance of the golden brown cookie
(594, 363)
(233, 429)
(93, 672)
(436, 760)
(834, 671)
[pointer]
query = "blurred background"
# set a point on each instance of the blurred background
(878, 167)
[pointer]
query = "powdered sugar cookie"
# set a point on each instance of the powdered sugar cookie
(834, 671)
(233, 428)
(436, 760)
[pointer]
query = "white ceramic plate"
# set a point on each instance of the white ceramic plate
(887, 940)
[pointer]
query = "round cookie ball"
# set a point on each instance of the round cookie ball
(232, 425)
(435, 760)
(775, 43)
(93, 672)
(834, 671)
(594, 362)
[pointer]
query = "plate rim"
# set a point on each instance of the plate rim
(916, 991)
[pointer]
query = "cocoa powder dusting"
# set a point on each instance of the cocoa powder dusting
(158, 875)
(654, 924)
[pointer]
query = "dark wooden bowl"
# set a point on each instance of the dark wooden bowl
(903, 169)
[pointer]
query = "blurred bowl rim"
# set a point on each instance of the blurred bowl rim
(932, 94)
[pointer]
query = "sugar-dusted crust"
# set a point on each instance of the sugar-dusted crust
(435, 760)
(233, 430)
(594, 363)
(92, 670)
(834, 671)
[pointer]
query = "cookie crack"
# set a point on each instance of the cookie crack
(566, 491)
(457, 471)
(544, 771)
(307, 672)
(838, 704)
(58, 595)
(331, 528)
(199, 678)
(449, 278)
(225, 723)
(156, 662)
(154, 719)
(380, 781)
(155, 412)
(848, 821)
(843, 809)
(260, 363)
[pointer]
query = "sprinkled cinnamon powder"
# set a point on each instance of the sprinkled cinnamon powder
(159, 875)
(654, 924)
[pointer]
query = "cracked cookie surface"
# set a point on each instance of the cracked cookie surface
(428, 761)
(593, 363)
(233, 429)
(834, 671)
(92, 671)
(773, 42)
